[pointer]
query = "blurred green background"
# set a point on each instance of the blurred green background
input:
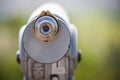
(98, 23)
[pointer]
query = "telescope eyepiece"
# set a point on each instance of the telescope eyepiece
(46, 28)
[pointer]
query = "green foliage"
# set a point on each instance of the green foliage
(98, 39)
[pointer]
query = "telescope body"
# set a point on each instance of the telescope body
(48, 45)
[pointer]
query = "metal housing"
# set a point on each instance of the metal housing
(52, 60)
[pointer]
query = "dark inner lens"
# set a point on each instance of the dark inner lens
(46, 28)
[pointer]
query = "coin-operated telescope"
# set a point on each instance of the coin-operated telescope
(48, 45)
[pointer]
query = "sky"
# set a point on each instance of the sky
(25, 7)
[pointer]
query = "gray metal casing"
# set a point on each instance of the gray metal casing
(49, 64)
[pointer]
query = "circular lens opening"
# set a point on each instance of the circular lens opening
(46, 28)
